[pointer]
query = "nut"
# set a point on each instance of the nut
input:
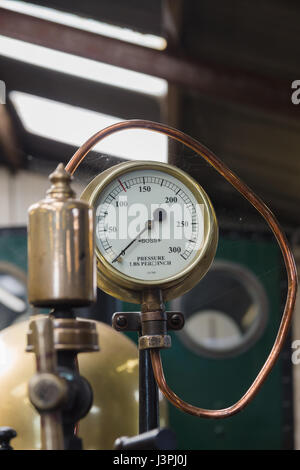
(155, 341)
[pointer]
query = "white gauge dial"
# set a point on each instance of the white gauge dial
(149, 224)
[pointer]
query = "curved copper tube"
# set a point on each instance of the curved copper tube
(256, 202)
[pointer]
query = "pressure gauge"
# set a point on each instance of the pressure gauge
(155, 227)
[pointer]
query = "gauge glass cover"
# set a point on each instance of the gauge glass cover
(149, 225)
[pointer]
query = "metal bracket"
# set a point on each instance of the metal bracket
(156, 439)
(131, 321)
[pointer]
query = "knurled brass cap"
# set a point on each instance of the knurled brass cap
(71, 335)
(60, 183)
(155, 341)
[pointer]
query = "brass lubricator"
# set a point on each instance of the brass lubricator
(61, 270)
(61, 263)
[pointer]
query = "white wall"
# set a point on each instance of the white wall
(18, 192)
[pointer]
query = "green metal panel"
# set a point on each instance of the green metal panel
(13, 246)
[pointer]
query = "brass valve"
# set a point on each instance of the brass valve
(58, 392)
(61, 275)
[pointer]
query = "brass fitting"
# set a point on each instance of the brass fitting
(70, 335)
(61, 262)
(153, 321)
(155, 341)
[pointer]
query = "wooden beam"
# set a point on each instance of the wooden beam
(133, 14)
(222, 83)
(11, 151)
(171, 106)
(76, 91)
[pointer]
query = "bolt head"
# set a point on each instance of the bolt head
(176, 320)
(121, 321)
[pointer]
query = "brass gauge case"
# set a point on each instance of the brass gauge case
(61, 267)
(129, 289)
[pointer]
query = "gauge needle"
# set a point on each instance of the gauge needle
(148, 226)
(159, 214)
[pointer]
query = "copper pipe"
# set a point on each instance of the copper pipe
(259, 205)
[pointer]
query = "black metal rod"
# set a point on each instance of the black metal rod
(148, 394)
(157, 439)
